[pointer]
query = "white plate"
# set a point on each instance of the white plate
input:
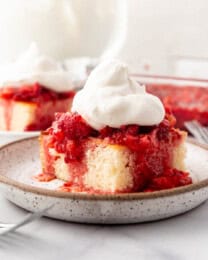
(20, 161)
(10, 136)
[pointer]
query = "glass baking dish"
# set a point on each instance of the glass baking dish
(186, 98)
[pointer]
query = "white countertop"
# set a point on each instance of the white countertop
(183, 237)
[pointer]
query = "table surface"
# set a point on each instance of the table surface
(182, 237)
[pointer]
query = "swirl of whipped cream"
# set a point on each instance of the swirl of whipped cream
(32, 67)
(111, 98)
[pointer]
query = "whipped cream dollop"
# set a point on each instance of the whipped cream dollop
(32, 67)
(111, 98)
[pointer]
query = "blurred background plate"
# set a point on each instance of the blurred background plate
(9, 136)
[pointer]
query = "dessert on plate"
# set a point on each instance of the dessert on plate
(117, 139)
(187, 103)
(32, 89)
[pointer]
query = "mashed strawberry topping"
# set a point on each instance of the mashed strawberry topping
(32, 93)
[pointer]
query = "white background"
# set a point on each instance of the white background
(145, 33)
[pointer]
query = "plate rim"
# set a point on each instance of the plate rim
(19, 133)
(113, 197)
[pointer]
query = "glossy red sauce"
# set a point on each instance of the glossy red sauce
(186, 102)
(153, 147)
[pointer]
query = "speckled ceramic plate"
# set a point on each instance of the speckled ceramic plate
(20, 161)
